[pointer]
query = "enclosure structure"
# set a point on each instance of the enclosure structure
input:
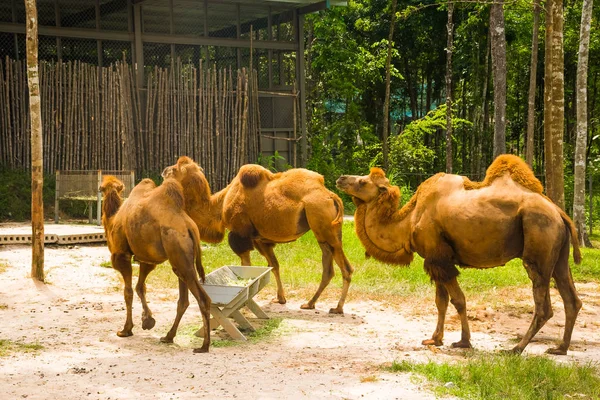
(150, 37)
(85, 186)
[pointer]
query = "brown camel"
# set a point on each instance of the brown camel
(452, 221)
(261, 209)
(153, 226)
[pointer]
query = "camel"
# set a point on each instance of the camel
(261, 209)
(452, 221)
(152, 226)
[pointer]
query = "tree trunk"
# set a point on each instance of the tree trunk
(554, 103)
(582, 123)
(532, 85)
(386, 100)
(449, 32)
(499, 73)
(37, 171)
(484, 109)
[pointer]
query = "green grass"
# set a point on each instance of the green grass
(301, 270)
(8, 347)
(496, 376)
(3, 266)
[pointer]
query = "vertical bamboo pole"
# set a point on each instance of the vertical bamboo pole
(37, 171)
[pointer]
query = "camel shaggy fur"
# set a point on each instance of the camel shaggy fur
(261, 209)
(153, 226)
(452, 221)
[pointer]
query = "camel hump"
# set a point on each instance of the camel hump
(174, 192)
(510, 164)
(252, 174)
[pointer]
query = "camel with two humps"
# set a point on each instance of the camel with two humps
(152, 226)
(453, 221)
(261, 209)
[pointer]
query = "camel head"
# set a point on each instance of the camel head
(366, 188)
(184, 166)
(111, 189)
(199, 202)
(111, 184)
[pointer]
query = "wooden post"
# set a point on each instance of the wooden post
(99, 200)
(37, 154)
(56, 193)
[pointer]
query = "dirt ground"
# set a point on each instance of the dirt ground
(314, 355)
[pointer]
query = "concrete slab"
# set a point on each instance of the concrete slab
(20, 233)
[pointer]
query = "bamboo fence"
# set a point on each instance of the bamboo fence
(97, 118)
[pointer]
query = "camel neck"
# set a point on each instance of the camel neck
(385, 233)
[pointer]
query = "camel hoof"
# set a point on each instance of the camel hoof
(557, 351)
(513, 351)
(148, 323)
(307, 306)
(432, 342)
(463, 344)
(336, 310)
(124, 333)
(278, 300)
(201, 350)
(166, 340)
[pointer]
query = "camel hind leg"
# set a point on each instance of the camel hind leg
(266, 250)
(328, 273)
(148, 321)
(541, 297)
(182, 305)
(566, 288)
(122, 263)
(329, 235)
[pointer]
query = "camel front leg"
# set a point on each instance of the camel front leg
(148, 321)
(457, 298)
(441, 301)
(122, 263)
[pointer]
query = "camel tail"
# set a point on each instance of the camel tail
(198, 253)
(339, 218)
(574, 238)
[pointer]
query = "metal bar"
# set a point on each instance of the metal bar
(139, 49)
(58, 24)
(9, 27)
(80, 33)
(171, 28)
(300, 78)
(98, 42)
(220, 42)
(238, 36)
(270, 51)
(206, 52)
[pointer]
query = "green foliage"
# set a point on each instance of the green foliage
(274, 163)
(495, 376)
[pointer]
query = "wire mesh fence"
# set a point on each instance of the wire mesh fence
(224, 36)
